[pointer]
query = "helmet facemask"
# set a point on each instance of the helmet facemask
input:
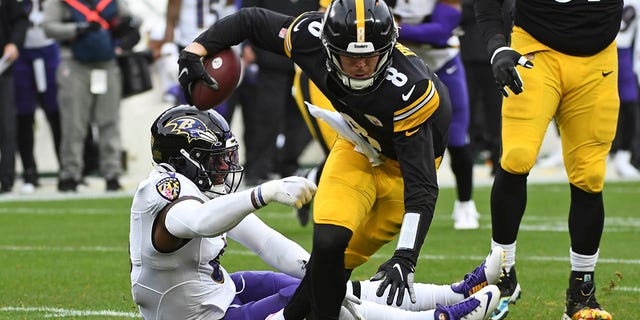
(369, 34)
(215, 171)
(358, 84)
(200, 146)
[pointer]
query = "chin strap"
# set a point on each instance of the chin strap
(202, 180)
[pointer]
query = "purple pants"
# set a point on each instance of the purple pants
(260, 293)
(627, 81)
(453, 76)
(27, 96)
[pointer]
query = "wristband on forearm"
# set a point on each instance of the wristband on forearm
(257, 200)
(408, 238)
(495, 42)
(408, 231)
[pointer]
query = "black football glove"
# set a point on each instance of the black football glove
(503, 62)
(397, 272)
(191, 70)
(85, 27)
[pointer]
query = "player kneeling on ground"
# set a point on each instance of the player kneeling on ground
(187, 206)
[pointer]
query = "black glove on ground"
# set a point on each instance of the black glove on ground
(397, 272)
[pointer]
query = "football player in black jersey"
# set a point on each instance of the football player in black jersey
(571, 43)
(380, 179)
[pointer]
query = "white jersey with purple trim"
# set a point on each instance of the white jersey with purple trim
(35, 37)
(194, 270)
(197, 15)
(629, 25)
(414, 12)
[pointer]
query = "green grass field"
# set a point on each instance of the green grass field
(68, 258)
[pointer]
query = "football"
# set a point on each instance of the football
(226, 68)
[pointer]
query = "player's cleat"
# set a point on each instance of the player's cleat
(465, 215)
(488, 272)
(476, 307)
(509, 293)
(582, 305)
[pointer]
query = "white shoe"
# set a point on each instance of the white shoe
(622, 163)
(551, 161)
(28, 188)
(479, 306)
(465, 215)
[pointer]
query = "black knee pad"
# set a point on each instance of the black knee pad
(330, 240)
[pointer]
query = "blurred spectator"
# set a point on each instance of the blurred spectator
(485, 100)
(430, 29)
(628, 133)
(275, 134)
(245, 94)
(307, 91)
(185, 20)
(13, 27)
(165, 56)
(35, 85)
(89, 81)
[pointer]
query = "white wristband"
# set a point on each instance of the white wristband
(408, 231)
(498, 51)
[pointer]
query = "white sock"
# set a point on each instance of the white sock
(583, 263)
(427, 295)
(374, 311)
(509, 251)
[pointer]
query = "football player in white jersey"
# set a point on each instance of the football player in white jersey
(185, 20)
(191, 17)
(187, 206)
(428, 27)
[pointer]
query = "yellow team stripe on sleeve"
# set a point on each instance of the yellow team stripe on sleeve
(287, 39)
(406, 51)
(360, 21)
(324, 3)
(417, 112)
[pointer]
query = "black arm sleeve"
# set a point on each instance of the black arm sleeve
(260, 26)
(490, 21)
(416, 154)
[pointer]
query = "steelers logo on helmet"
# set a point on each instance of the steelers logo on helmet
(200, 146)
(358, 29)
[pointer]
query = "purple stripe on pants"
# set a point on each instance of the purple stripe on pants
(260, 293)
(453, 76)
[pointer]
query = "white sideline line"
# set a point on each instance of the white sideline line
(627, 289)
(70, 249)
(48, 211)
(62, 313)
(55, 196)
(529, 221)
(247, 253)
